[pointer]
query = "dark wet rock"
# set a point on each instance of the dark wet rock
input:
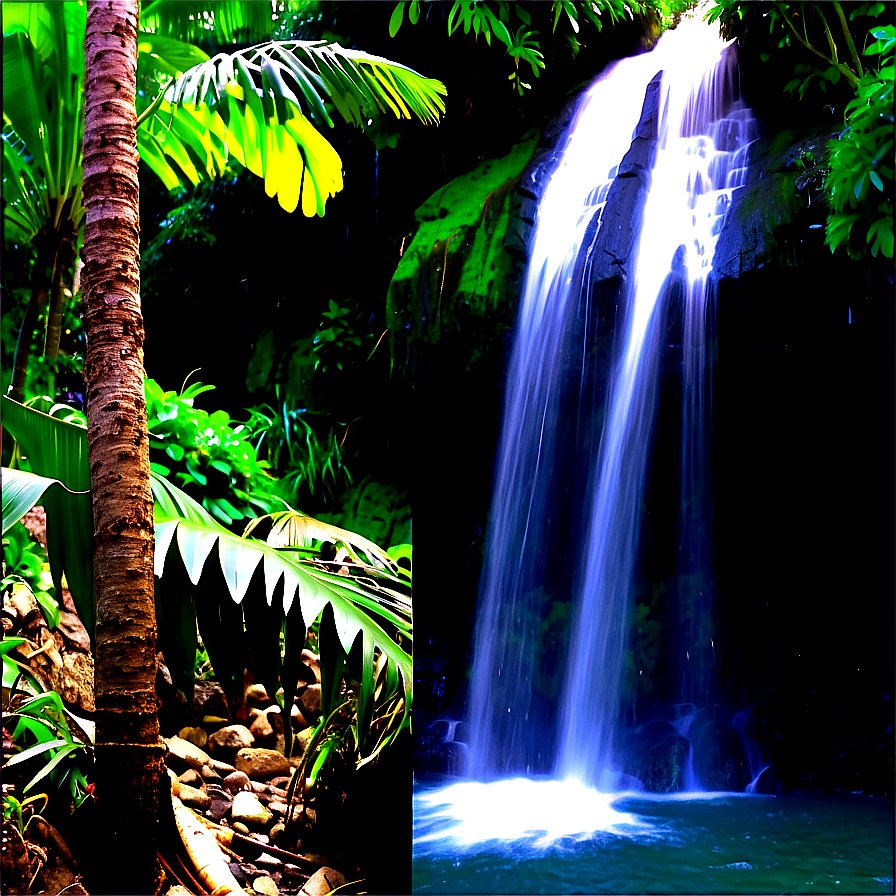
(660, 764)
(720, 757)
(773, 209)
(768, 783)
(218, 809)
(620, 222)
(209, 700)
(445, 759)
(309, 702)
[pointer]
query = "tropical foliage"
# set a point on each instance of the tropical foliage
(272, 589)
(511, 24)
(830, 42)
(206, 454)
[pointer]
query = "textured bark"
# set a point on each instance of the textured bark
(129, 752)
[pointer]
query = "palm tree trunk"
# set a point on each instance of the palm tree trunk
(129, 751)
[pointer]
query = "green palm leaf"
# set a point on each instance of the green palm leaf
(264, 100)
(304, 588)
(21, 491)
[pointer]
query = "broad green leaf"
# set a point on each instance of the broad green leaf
(21, 491)
(58, 450)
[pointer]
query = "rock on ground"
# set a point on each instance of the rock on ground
(259, 763)
(322, 881)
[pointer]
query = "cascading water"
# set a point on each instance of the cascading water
(565, 513)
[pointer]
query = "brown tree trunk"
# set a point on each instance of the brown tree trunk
(129, 753)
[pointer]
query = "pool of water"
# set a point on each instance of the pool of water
(562, 838)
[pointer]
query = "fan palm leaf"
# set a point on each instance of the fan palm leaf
(266, 101)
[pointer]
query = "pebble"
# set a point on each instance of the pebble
(190, 777)
(182, 755)
(237, 781)
(231, 737)
(193, 797)
(247, 809)
(256, 695)
(210, 775)
(266, 886)
(218, 809)
(260, 763)
(222, 768)
(276, 831)
(196, 736)
(240, 827)
(322, 881)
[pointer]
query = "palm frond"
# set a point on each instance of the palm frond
(264, 100)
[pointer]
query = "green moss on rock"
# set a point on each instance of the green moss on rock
(456, 266)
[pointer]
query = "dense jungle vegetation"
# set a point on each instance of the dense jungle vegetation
(284, 150)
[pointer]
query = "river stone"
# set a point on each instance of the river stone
(196, 736)
(218, 809)
(247, 809)
(209, 700)
(261, 728)
(309, 703)
(303, 738)
(182, 755)
(210, 775)
(231, 738)
(265, 885)
(222, 768)
(190, 777)
(237, 781)
(322, 881)
(257, 695)
(260, 764)
(297, 719)
(192, 796)
(312, 661)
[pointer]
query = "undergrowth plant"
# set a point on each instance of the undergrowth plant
(207, 454)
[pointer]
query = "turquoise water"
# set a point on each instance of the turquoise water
(710, 843)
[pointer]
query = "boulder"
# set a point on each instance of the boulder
(720, 757)
(261, 764)
(660, 764)
(247, 809)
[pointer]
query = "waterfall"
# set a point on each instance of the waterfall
(557, 588)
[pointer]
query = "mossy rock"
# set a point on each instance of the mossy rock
(456, 266)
